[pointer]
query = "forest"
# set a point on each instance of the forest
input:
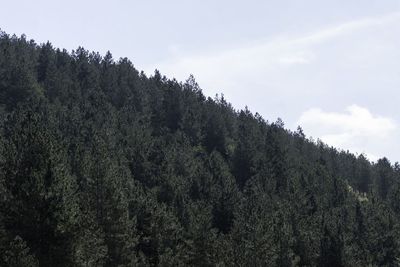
(101, 165)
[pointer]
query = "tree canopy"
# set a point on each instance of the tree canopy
(101, 165)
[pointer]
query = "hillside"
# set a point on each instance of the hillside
(101, 165)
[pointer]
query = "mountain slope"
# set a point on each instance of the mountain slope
(101, 165)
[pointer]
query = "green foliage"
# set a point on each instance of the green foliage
(101, 165)
(17, 255)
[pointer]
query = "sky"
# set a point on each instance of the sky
(332, 67)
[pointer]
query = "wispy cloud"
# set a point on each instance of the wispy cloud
(262, 55)
(301, 57)
(346, 28)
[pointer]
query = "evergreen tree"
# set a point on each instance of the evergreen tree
(101, 165)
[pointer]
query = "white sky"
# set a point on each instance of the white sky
(331, 66)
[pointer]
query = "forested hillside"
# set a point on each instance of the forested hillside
(101, 165)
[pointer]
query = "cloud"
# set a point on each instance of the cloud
(358, 120)
(346, 28)
(356, 129)
(214, 69)
(301, 57)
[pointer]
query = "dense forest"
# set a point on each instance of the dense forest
(101, 165)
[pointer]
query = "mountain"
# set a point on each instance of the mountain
(101, 165)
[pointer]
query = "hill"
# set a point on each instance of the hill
(101, 165)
